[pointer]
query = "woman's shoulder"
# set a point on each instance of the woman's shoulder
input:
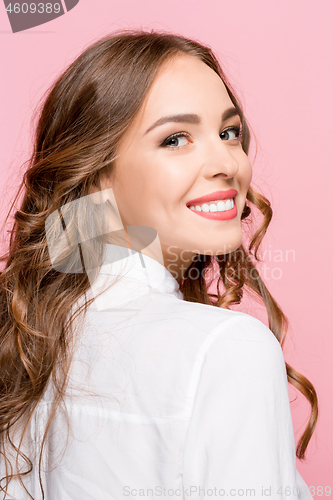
(159, 349)
(183, 322)
(199, 334)
(206, 320)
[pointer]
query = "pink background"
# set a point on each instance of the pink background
(279, 58)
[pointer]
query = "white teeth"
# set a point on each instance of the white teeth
(220, 206)
(228, 204)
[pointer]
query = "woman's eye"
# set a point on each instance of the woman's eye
(181, 139)
(175, 141)
(232, 130)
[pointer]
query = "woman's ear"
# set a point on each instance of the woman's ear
(102, 194)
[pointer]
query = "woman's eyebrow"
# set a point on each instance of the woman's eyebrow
(191, 118)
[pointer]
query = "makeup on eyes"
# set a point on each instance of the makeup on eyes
(235, 128)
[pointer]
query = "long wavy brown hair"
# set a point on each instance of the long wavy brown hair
(80, 121)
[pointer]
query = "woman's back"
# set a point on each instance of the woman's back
(166, 397)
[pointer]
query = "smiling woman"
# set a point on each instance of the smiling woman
(137, 187)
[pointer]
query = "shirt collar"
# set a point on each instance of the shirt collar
(126, 275)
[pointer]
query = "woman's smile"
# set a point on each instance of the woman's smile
(215, 203)
(217, 211)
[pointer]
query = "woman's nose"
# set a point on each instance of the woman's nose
(221, 159)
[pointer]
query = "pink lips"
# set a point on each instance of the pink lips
(217, 195)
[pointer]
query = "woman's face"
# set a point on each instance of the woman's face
(155, 175)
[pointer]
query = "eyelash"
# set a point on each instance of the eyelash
(237, 129)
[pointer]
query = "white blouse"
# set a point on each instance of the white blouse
(166, 398)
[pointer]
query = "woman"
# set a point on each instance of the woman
(120, 374)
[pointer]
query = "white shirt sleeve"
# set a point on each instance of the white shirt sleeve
(240, 440)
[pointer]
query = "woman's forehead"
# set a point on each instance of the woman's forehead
(184, 84)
